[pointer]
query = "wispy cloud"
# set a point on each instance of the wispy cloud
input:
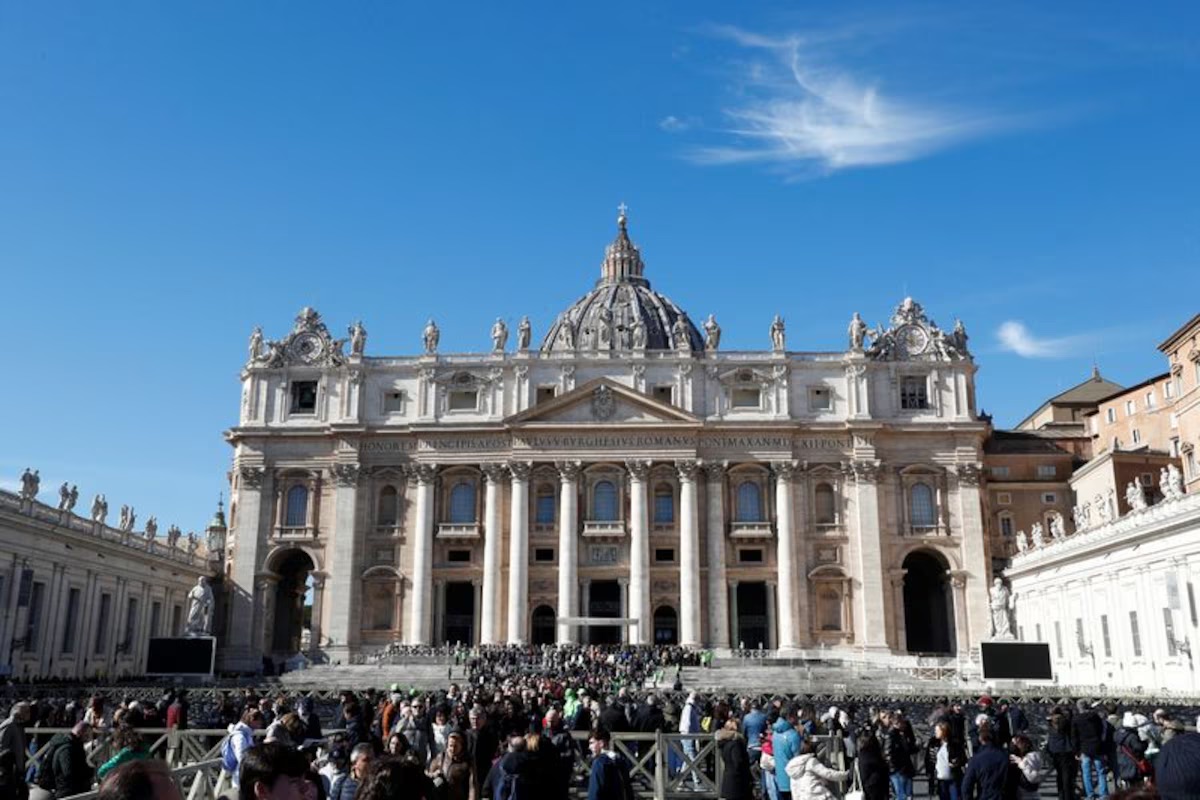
(1015, 337)
(674, 124)
(800, 107)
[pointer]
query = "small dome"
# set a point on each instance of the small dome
(622, 312)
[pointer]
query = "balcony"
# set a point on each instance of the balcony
(458, 531)
(303, 533)
(603, 529)
(749, 531)
(927, 530)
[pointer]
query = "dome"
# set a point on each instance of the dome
(622, 312)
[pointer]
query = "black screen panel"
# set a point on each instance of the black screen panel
(1027, 661)
(180, 656)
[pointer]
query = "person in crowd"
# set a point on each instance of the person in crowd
(397, 779)
(287, 729)
(1032, 767)
(689, 725)
(898, 749)
(988, 775)
(177, 712)
(240, 739)
(337, 764)
(129, 746)
(1088, 734)
(482, 744)
(13, 750)
(871, 767)
(766, 761)
(948, 758)
(1060, 744)
(451, 771)
(736, 783)
(357, 731)
(273, 771)
(361, 757)
(312, 723)
(1014, 717)
(1177, 771)
(512, 776)
(786, 743)
(95, 715)
(65, 769)
(809, 777)
(609, 777)
(147, 779)
(398, 747)
(1132, 767)
(414, 727)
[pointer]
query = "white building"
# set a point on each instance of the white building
(81, 599)
(627, 468)
(1116, 601)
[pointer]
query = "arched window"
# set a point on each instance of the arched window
(388, 503)
(462, 503)
(825, 507)
(664, 504)
(544, 510)
(604, 502)
(297, 507)
(921, 508)
(749, 502)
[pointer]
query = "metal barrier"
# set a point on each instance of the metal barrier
(205, 780)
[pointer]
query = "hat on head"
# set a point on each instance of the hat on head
(985, 701)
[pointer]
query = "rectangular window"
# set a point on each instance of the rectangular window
(544, 395)
(385, 555)
(1080, 642)
(1137, 436)
(100, 646)
(393, 402)
(176, 620)
(914, 394)
(746, 398)
(1135, 634)
(131, 622)
(1192, 603)
(1058, 638)
(70, 622)
(1038, 630)
(1130, 408)
(1190, 463)
(1111, 415)
(1046, 471)
(750, 556)
(1147, 479)
(1004, 499)
(664, 555)
(464, 400)
(1049, 498)
(663, 394)
(544, 511)
(458, 556)
(1169, 389)
(1006, 527)
(543, 554)
(820, 399)
(1173, 420)
(1104, 633)
(155, 618)
(999, 472)
(1169, 630)
(1149, 400)
(33, 622)
(1175, 447)
(304, 397)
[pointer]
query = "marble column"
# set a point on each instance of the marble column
(786, 555)
(623, 584)
(568, 549)
(477, 588)
(639, 553)
(975, 560)
(689, 556)
(422, 563)
(585, 600)
(490, 610)
(518, 553)
(870, 625)
(344, 582)
(900, 642)
(318, 610)
(243, 653)
(958, 588)
(718, 609)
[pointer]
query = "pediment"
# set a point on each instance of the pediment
(603, 402)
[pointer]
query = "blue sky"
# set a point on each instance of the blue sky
(172, 174)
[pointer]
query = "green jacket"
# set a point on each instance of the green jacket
(123, 755)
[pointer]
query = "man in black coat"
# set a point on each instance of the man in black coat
(1087, 729)
(482, 743)
(65, 770)
(612, 718)
(990, 775)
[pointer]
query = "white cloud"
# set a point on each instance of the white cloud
(673, 124)
(799, 108)
(1016, 338)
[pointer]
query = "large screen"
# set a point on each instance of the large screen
(1018, 661)
(181, 656)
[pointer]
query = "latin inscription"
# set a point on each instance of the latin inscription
(607, 441)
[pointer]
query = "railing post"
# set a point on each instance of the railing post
(660, 766)
(173, 742)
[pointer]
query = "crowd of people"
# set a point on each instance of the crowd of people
(552, 723)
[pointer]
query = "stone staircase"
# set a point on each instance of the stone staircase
(425, 676)
(817, 677)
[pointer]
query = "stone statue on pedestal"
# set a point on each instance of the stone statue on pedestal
(1022, 544)
(1102, 509)
(1036, 536)
(128, 518)
(499, 336)
(712, 333)
(99, 509)
(30, 483)
(173, 534)
(857, 332)
(430, 337)
(1057, 531)
(256, 344)
(959, 337)
(639, 334)
(358, 338)
(1171, 482)
(200, 607)
(778, 339)
(604, 328)
(679, 334)
(151, 528)
(193, 544)
(1135, 496)
(524, 334)
(64, 496)
(1001, 606)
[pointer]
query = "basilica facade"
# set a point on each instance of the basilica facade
(626, 480)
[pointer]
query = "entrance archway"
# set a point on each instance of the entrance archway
(543, 628)
(460, 613)
(666, 625)
(928, 615)
(752, 629)
(604, 600)
(293, 602)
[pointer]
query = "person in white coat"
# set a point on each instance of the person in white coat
(810, 778)
(689, 723)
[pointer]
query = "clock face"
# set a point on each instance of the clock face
(913, 340)
(307, 347)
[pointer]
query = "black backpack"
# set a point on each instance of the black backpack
(45, 778)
